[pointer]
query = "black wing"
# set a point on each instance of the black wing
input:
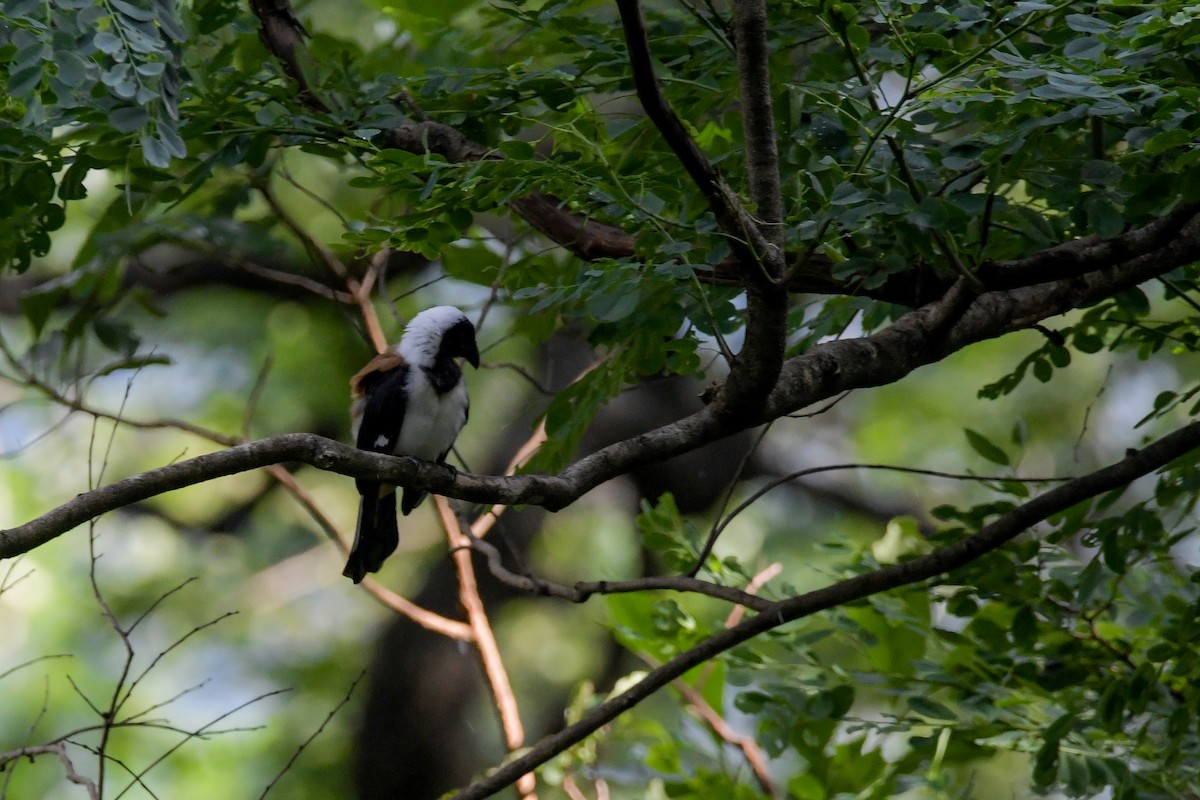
(385, 401)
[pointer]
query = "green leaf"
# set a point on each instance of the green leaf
(613, 307)
(930, 709)
(1060, 727)
(1176, 137)
(1045, 764)
(805, 786)
(1084, 23)
(984, 447)
(1102, 173)
(1112, 706)
(108, 42)
(1025, 627)
(1042, 370)
(38, 305)
(514, 148)
(1134, 301)
(127, 119)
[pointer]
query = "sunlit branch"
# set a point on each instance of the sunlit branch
(485, 639)
(361, 295)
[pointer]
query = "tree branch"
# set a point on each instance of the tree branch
(485, 639)
(581, 591)
(758, 119)
(754, 251)
(987, 539)
(590, 239)
(918, 338)
(1080, 256)
(59, 749)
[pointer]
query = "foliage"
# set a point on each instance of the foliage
(917, 142)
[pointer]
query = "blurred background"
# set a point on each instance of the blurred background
(223, 322)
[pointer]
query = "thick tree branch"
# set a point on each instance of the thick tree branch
(316, 451)
(959, 554)
(758, 119)
(918, 338)
(1085, 255)
(485, 639)
(757, 243)
(282, 34)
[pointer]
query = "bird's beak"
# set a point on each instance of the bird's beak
(472, 355)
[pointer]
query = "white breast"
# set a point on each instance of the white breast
(431, 422)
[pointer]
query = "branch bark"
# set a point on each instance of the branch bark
(920, 337)
(754, 251)
(987, 539)
(581, 591)
(758, 120)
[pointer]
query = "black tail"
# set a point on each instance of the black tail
(412, 498)
(377, 534)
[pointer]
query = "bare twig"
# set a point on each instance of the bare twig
(583, 590)
(755, 585)
(332, 712)
(706, 550)
(58, 749)
(720, 524)
(362, 297)
(189, 735)
(452, 629)
(31, 662)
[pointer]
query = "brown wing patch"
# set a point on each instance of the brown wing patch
(376, 369)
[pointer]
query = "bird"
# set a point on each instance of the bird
(410, 400)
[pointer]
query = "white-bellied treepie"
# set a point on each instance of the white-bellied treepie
(408, 401)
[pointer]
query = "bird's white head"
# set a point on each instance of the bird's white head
(438, 333)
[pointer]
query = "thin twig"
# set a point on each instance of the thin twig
(31, 662)
(326, 256)
(452, 629)
(801, 473)
(583, 590)
(485, 639)
(58, 749)
(198, 733)
(341, 703)
(767, 573)
(706, 550)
